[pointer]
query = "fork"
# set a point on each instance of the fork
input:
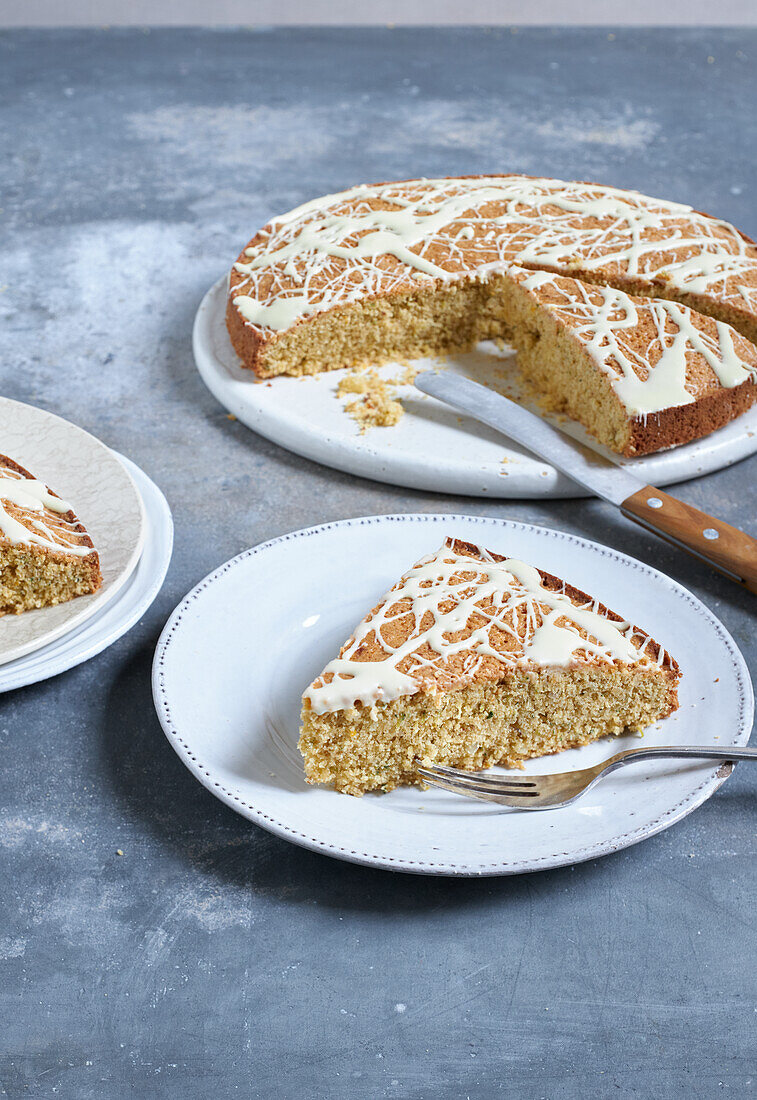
(550, 792)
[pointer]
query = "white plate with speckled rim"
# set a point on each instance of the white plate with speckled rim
(84, 472)
(238, 651)
(432, 447)
(111, 621)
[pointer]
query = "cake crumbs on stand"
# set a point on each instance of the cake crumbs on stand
(378, 406)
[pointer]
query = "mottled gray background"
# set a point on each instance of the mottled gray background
(68, 13)
(212, 959)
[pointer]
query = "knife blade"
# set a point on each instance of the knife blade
(724, 548)
(596, 473)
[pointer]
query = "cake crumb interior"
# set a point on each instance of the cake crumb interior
(454, 317)
(31, 578)
(529, 713)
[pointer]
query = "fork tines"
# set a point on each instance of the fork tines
(455, 780)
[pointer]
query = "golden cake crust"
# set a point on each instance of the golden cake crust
(578, 596)
(684, 423)
(398, 624)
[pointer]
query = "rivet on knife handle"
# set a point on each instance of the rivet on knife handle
(729, 550)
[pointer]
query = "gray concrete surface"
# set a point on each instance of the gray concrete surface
(211, 959)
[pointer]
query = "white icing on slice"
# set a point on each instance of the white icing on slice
(34, 497)
(551, 638)
(30, 493)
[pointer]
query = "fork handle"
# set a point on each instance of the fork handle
(681, 752)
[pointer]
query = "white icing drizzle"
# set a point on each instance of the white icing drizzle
(605, 320)
(339, 249)
(35, 499)
(442, 605)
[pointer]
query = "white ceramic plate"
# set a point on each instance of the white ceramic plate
(239, 650)
(432, 447)
(83, 471)
(118, 616)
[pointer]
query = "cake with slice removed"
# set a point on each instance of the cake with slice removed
(388, 270)
(473, 659)
(424, 267)
(46, 555)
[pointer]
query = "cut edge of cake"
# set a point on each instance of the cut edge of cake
(574, 360)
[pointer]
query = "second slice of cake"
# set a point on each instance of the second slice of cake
(46, 555)
(474, 659)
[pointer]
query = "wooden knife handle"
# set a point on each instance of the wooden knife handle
(727, 549)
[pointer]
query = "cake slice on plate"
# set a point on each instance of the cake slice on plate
(46, 555)
(474, 659)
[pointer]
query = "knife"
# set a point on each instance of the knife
(725, 548)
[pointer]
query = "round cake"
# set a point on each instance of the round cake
(424, 267)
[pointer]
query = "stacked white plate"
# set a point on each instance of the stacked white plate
(129, 522)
